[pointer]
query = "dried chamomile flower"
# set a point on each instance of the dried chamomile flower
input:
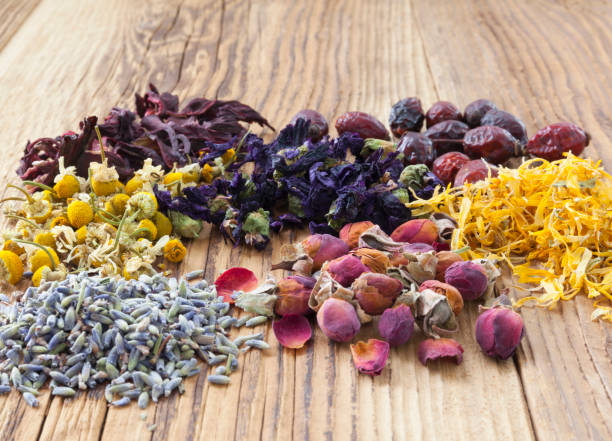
(163, 225)
(145, 229)
(79, 213)
(104, 179)
(175, 251)
(66, 182)
(144, 204)
(43, 256)
(11, 267)
(45, 238)
(190, 173)
(59, 220)
(13, 246)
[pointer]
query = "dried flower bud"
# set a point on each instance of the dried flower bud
(396, 325)
(370, 358)
(445, 259)
(293, 294)
(444, 223)
(417, 247)
(499, 330)
(346, 269)
(338, 320)
(452, 294)
(292, 331)
(416, 230)
(433, 313)
(323, 247)
(350, 232)
(257, 303)
(379, 240)
(184, 226)
(433, 349)
(376, 261)
(376, 292)
(468, 277)
(413, 268)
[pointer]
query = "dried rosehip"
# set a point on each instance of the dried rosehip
(376, 292)
(416, 148)
(468, 277)
(416, 230)
(505, 120)
(472, 171)
(442, 111)
(447, 136)
(364, 124)
(552, 141)
(318, 127)
(396, 325)
(406, 116)
(446, 166)
(499, 329)
(492, 143)
(474, 111)
(338, 320)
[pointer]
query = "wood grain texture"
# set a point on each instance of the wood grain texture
(13, 13)
(542, 61)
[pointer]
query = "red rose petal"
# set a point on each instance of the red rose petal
(292, 331)
(235, 279)
(370, 358)
(432, 349)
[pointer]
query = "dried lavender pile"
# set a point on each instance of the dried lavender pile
(141, 337)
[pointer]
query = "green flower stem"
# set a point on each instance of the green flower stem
(21, 218)
(27, 195)
(102, 155)
(39, 185)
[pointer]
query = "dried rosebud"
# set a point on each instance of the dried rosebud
(293, 294)
(292, 331)
(376, 292)
(370, 358)
(413, 268)
(452, 294)
(499, 330)
(468, 277)
(417, 247)
(235, 279)
(433, 312)
(433, 349)
(396, 325)
(323, 247)
(375, 260)
(416, 230)
(338, 320)
(346, 269)
(350, 232)
(445, 259)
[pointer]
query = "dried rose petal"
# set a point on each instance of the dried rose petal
(292, 331)
(370, 358)
(350, 232)
(338, 320)
(346, 269)
(235, 279)
(432, 349)
(396, 325)
(499, 331)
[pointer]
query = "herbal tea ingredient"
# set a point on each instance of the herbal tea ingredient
(367, 275)
(139, 337)
(551, 221)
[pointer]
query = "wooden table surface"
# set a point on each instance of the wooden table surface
(544, 61)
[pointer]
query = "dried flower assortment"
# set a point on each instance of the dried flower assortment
(551, 221)
(139, 337)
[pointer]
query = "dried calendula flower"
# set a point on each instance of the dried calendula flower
(370, 358)
(292, 331)
(11, 267)
(174, 250)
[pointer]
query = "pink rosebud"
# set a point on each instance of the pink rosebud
(499, 331)
(376, 292)
(346, 269)
(350, 232)
(468, 277)
(452, 294)
(338, 320)
(416, 230)
(396, 324)
(370, 358)
(445, 259)
(433, 349)
(292, 331)
(293, 294)
(323, 247)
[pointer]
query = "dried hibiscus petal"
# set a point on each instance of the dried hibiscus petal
(370, 357)
(433, 349)
(235, 279)
(292, 331)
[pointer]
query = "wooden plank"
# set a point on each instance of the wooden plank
(543, 62)
(12, 15)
